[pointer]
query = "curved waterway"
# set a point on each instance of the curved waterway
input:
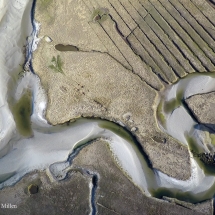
(35, 144)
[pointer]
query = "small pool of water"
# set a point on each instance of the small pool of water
(66, 48)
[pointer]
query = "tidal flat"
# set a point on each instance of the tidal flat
(73, 102)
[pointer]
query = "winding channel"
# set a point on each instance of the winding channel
(54, 147)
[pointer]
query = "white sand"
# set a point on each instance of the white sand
(12, 36)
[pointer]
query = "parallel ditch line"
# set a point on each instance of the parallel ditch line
(168, 64)
(138, 6)
(192, 43)
(118, 30)
(112, 211)
(208, 25)
(114, 50)
(181, 58)
(121, 34)
(146, 57)
(111, 56)
(205, 46)
(206, 13)
(95, 4)
(154, 54)
(123, 14)
(161, 49)
(161, 74)
(167, 43)
(89, 9)
(164, 50)
(145, 65)
(114, 47)
(194, 69)
(181, 33)
(204, 33)
(176, 39)
(145, 49)
(123, 27)
(120, 18)
(153, 70)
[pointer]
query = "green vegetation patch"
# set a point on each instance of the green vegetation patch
(117, 130)
(174, 103)
(160, 115)
(22, 111)
(57, 64)
(100, 15)
(212, 137)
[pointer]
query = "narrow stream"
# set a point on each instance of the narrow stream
(38, 145)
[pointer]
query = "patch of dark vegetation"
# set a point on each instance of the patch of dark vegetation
(100, 15)
(57, 64)
(22, 111)
(206, 158)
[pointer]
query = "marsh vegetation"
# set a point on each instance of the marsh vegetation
(57, 64)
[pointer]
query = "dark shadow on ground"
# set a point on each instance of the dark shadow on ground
(206, 127)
